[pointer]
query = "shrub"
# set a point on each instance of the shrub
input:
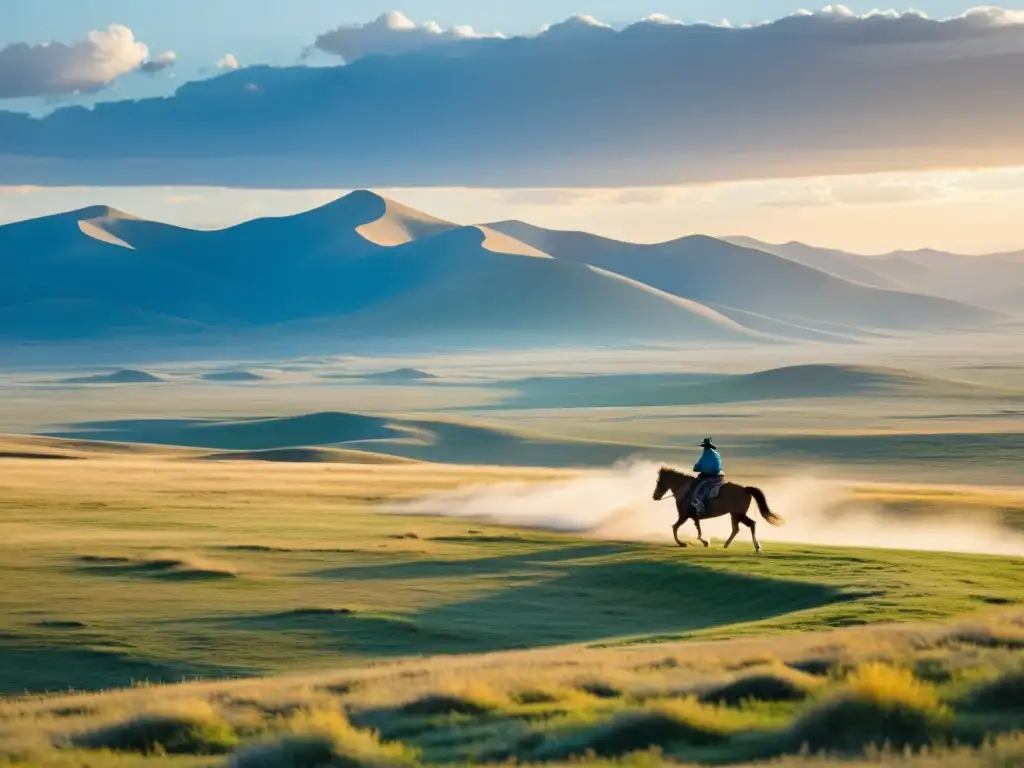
(324, 739)
(780, 685)
(470, 699)
(433, 704)
(685, 722)
(599, 688)
(879, 705)
(194, 734)
(1003, 693)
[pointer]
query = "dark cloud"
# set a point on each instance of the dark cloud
(57, 69)
(578, 105)
(160, 63)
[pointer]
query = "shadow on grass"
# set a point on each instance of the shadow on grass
(165, 569)
(36, 665)
(569, 599)
(481, 566)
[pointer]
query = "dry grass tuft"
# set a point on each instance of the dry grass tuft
(1005, 693)
(471, 698)
(661, 725)
(324, 738)
(878, 705)
(197, 730)
(780, 684)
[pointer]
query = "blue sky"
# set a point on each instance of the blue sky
(272, 31)
(911, 206)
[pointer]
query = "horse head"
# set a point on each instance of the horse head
(664, 485)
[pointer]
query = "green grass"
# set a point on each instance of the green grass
(528, 707)
(147, 568)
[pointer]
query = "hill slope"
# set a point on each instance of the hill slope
(791, 382)
(424, 440)
(126, 376)
(718, 273)
(993, 281)
(369, 269)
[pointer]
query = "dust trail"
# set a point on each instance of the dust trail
(616, 503)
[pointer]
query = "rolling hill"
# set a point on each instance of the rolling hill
(400, 375)
(367, 269)
(725, 276)
(233, 376)
(790, 382)
(333, 436)
(994, 281)
(126, 376)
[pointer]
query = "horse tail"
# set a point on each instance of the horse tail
(762, 505)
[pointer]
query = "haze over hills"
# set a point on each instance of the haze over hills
(995, 281)
(797, 382)
(727, 277)
(333, 436)
(126, 376)
(365, 268)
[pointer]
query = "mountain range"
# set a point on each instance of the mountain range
(364, 268)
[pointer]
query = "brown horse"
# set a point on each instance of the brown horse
(732, 499)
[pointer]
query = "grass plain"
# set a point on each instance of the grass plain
(146, 566)
(256, 599)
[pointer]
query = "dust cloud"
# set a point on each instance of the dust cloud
(616, 504)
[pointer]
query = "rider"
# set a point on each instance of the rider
(708, 469)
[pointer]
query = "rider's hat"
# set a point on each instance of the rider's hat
(708, 444)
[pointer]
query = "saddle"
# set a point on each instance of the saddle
(704, 490)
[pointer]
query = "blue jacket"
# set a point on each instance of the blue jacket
(709, 463)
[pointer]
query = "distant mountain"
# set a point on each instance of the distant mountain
(729, 277)
(994, 281)
(400, 374)
(233, 376)
(127, 376)
(367, 269)
(291, 438)
(790, 382)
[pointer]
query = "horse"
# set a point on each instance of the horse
(732, 499)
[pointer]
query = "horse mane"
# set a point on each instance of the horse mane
(670, 472)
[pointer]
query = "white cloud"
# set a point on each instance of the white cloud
(993, 16)
(661, 18)
(390, 33)
(581, 105)
(574, 27)
(164, 61)
(228, 62)
(866, 190)
(52, 69)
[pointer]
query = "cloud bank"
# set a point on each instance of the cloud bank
(391, 33)
(52, 69)
(579, 104)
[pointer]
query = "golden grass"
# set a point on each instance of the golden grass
(526, 704)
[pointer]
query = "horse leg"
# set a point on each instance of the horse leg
(700, 535)
(675, 530)
(752, 525)
(735, 530)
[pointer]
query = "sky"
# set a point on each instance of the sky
(948, 179)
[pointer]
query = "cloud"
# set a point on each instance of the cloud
(578, 104)
(554, 196)
(160, 63)
(25, 189)
(228, 62)
(56, 69)
(579, 27)
(391, 33)
(871, 190)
